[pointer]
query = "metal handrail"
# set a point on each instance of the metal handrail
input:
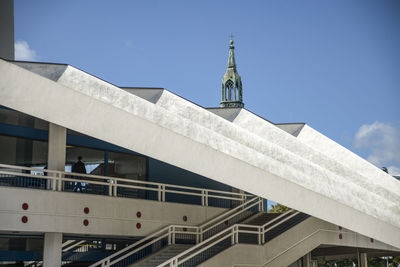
(170, 231)
(280, 222)
(218, 218)
(68, 248)
(277, 218)
(233, 231)
(58, 177)
(291, 247)
(106, 260)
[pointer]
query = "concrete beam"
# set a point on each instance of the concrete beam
(51, 211)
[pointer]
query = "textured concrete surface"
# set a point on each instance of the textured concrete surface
(292, 128)
(50, 71)
(249, 154)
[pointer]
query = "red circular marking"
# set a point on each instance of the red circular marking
(25, 206)
(138, 214)
(184, 218)
(340, 236)
(138, 225)
(184, 229)
(85, 222)
(372, 240)
(24, 219)
(340, 227)
(86, 210)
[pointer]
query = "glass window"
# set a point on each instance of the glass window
(9, 116)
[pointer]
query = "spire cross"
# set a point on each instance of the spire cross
(231, 36)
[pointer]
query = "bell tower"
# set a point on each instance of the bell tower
(232, 96)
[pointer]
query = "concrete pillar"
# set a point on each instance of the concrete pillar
(298, 263)
(307, 260)
(52, 249)
(363, 260)
(7, 29)
(56, 148)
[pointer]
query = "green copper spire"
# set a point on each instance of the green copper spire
(231, 83)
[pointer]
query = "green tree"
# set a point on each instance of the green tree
(278, 208)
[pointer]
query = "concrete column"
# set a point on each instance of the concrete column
(52, 249)
(298, 263)
(7, 29)
(307, 260)
(363, 260)
(56, 148)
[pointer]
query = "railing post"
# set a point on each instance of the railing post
(202, 198)
(261, 205)
(233, 236)
(110, 186)
(115, 188)
(197, 235)
(173, 234)
(264, 235)
(201, 235)
(163, 193)
(59, 182)
(159, 193)
(237, 235)
(206, 198)
(54, 182)
(243, 199)
(259, 236)
(169, 235)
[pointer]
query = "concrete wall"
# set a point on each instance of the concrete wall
(7, 29)
(51, 211)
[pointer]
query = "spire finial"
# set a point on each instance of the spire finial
(231, 82)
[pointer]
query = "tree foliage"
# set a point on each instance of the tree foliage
(278, 208)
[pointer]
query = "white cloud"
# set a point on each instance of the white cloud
(24, 52)
(383, 143)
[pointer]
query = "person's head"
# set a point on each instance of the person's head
(80, 158)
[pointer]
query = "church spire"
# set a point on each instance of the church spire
(231, 83)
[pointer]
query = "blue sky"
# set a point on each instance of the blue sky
(332, 64)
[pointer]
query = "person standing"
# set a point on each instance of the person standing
(79, 167)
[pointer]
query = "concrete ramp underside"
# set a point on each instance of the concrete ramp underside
(247, 153)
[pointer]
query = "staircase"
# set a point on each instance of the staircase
(190, 246)
(262, 218)
(161, 256)
(257, 230)
(173, 240)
